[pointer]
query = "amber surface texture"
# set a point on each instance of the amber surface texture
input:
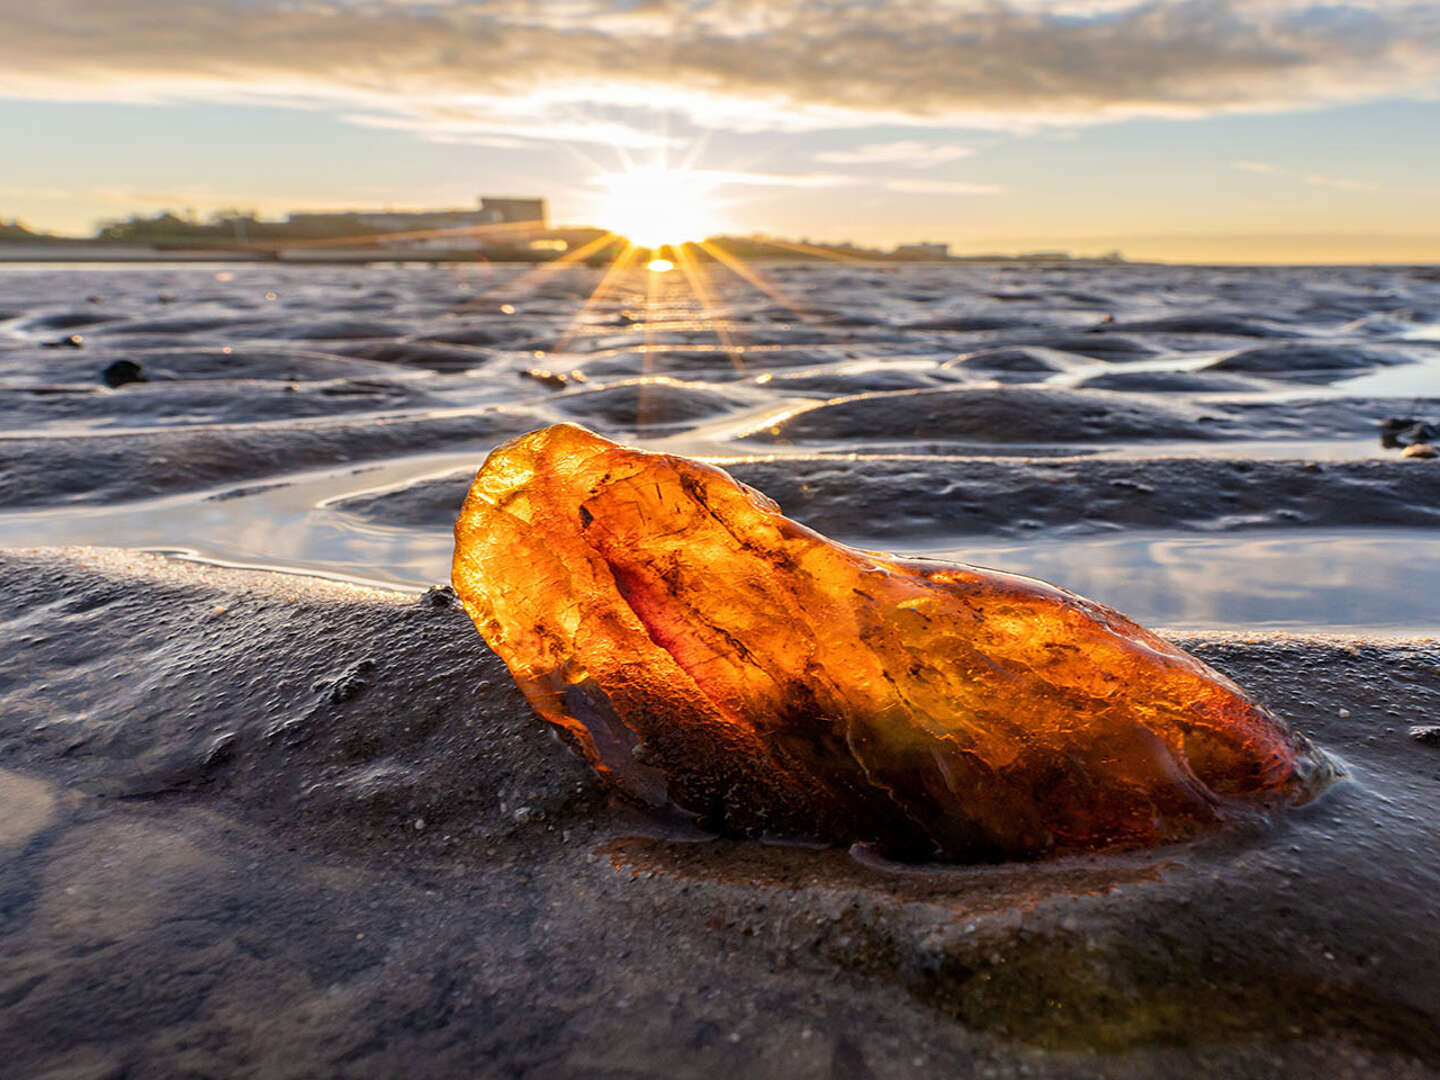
(704, 651)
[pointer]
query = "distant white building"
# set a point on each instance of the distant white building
(923, 250)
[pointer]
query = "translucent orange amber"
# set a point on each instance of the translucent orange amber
(704, 650)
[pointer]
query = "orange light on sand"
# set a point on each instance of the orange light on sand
(702, 649)
(660, 266)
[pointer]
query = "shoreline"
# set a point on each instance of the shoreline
(65, 252)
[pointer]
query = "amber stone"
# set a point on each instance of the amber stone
(704, 651)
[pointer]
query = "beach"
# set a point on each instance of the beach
(270, 807)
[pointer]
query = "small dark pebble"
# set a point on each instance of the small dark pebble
(440, 596)
(121, 372)
(1426, 734)
(73, 341)
(1397, 431)
(1420, 450)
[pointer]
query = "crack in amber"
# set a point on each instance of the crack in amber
(704, 650)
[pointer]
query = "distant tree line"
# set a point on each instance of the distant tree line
(15, 229)
(222, 228)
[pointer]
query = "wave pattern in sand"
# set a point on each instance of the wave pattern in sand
(325, 419)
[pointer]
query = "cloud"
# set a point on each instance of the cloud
(721, 177)
(910, 153)
(1342, 183)
(509, 126)
(606, 70)
(942, 187)
(709, 179)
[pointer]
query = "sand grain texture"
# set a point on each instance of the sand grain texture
(302, 827)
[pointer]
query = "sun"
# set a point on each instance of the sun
(654, 206)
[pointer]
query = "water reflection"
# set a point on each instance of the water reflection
(1343, 580)
(1347, 579)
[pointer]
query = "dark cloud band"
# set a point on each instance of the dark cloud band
(446, 67)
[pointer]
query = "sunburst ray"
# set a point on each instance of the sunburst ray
(539, 273)
(739, 267)
(700, 287)
(608, 281)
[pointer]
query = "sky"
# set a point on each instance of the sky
(1191, 130)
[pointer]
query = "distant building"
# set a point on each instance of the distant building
(923, 251)
(491, 211)
(507, 210)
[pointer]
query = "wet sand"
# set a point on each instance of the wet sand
(277, 826)
(254, 823)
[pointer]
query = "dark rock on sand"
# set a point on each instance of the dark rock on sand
(1420, 450)
(212, 860)
(1396, 431)
(121, 372)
